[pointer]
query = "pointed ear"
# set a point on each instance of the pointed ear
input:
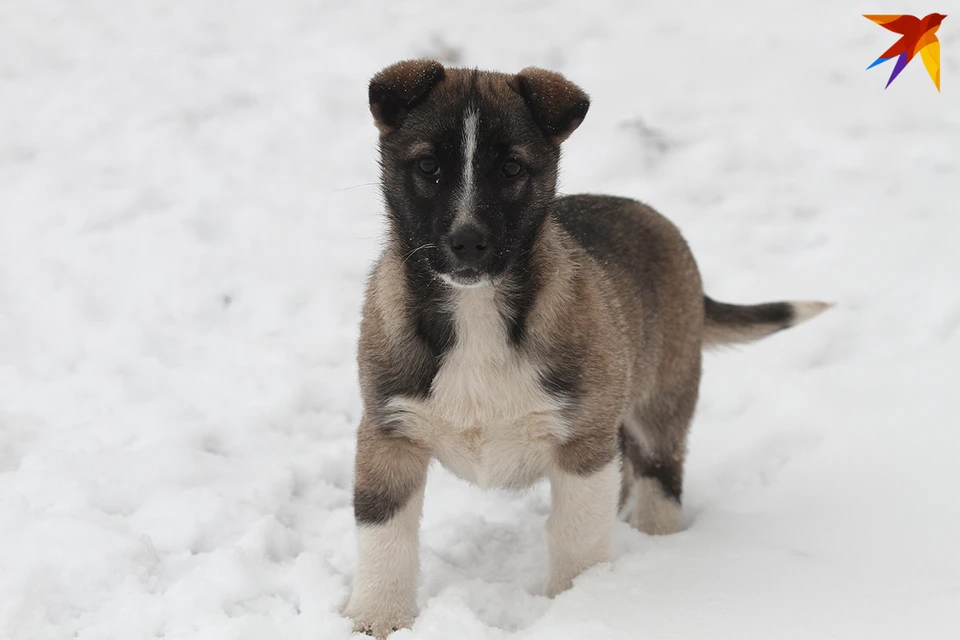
(398, 88)
(558, 105)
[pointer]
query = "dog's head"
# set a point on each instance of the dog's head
(469, 161)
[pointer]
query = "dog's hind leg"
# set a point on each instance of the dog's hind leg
(653, 440)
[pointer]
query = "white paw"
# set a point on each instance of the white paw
(649, 511)
(380, 623)
(379, 617)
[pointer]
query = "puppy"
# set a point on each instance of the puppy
(514, 334)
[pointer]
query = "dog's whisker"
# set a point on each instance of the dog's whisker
(356, 186)
(428, 245)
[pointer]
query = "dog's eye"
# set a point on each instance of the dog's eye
(428, 166)
(511, 168)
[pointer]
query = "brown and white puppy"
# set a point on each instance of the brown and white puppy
(514, 335)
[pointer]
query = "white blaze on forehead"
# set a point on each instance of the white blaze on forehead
(467, 188)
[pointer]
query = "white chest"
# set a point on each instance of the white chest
(488, 419)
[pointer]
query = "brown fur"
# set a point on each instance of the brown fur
(557, 104)
(398, 88)
(389, 472)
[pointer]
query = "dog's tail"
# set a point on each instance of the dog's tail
(733, 323)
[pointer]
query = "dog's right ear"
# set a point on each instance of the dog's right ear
(558, 106)
(398, 88)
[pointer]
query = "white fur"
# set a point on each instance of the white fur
(488, 419)
(385, 585)
(649, 510)
(581, 519)
(805, 310)
(481, 282)
(466, 195)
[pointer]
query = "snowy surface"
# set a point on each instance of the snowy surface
(188, 210)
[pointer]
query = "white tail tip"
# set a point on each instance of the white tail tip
(806, 309)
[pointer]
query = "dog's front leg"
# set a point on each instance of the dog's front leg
(388, 500)
(582, 513)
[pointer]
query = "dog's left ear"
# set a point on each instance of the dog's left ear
(398, 88)
(558, 106)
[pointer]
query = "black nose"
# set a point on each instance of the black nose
(468, 244)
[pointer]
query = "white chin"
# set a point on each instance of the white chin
(461, 283)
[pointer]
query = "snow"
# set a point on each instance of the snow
(188, 211)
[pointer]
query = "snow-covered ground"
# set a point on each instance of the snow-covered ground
(187, 213)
